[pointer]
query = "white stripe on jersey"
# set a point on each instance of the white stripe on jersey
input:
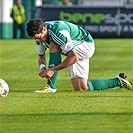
(56, 38)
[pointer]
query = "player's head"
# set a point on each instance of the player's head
(37, 30)
(34, 26)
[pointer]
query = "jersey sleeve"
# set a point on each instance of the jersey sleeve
(40, 48)
(63, 39)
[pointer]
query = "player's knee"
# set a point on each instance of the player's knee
(79, 84)
(78, 88)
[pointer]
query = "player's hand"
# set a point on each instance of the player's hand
(42, 72)
(47, 73)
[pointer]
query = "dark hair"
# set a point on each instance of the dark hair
(34, 26)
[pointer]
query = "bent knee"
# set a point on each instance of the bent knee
(79, 84)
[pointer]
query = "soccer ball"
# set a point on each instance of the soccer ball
(4, 88)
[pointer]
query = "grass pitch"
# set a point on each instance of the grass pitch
(66, 111)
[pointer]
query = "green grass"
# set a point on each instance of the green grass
(66, 111)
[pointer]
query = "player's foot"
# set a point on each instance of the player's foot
(125, 83)
(46, 89)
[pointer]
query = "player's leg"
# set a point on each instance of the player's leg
(102, 84)
(79, 74)
(79, 84)
(80, 70)
(54, 60)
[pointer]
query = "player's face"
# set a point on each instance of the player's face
(41, 37)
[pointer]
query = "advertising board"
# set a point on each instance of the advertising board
(101, 22)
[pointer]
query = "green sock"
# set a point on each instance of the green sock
(55, 59)
(102, 84)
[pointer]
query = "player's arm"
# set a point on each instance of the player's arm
(71, 58)
(42, 62)
(71, 55)
(41, 58)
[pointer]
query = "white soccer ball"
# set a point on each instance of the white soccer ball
(4, 88)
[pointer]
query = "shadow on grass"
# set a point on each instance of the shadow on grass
(68, 114)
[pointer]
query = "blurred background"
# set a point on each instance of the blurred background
(102, 18)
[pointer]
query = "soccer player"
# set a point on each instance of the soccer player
(77, 44)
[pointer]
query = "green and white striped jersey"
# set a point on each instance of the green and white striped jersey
(66, 35)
